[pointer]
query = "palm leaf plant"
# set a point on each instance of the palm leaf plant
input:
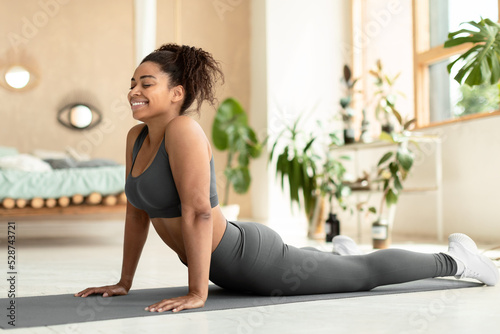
(480, 64)
(231, 132)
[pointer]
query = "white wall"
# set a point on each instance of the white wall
(471, 183)
(258, 107)
(305, 56)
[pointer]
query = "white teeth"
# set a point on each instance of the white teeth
(138, 103)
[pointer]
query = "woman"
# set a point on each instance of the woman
(169, 162)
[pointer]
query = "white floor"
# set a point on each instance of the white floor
(59, 255)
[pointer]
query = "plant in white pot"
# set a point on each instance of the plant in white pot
(393, 168)
(231, 133)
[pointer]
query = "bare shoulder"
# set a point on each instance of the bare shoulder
(185, 131)
(181, 124)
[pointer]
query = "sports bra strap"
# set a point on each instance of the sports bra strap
(138, 144)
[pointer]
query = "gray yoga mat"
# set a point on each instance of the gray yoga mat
(67, 309)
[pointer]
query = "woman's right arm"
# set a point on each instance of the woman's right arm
(135, 235)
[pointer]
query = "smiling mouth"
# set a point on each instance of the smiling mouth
(138, 105)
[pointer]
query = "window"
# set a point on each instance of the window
(438, 97)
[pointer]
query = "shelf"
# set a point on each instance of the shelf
(356, 148)
(409, 190)
(383, 143)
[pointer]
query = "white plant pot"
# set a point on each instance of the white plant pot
(231, 211)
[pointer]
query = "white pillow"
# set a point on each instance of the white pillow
(24, 162)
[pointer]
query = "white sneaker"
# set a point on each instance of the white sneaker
(477, 266)
(345, 246)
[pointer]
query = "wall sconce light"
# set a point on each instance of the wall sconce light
(18, 71)
(17, 77)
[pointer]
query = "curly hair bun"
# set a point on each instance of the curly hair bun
(193, 68)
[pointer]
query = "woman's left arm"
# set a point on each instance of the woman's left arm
(189, 157)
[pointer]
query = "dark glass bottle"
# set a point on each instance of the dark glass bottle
(332, 227)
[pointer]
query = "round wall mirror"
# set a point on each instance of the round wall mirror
(79, 116)
(17, 77)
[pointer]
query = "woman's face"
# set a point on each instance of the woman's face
(150, 95)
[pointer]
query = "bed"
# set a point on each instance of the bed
(50, 183)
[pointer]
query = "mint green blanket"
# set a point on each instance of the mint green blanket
(62, 182)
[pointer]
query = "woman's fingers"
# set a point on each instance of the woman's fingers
(89, 291)
(167, 305)
(106, 291)
(176, 304)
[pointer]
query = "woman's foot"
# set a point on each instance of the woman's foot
(343, 245)
(470, 263)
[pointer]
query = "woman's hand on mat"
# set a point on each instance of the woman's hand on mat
(106, 291)
(177, 304)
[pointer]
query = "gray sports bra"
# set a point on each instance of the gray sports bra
(154, 190)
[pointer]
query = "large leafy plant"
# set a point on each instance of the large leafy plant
(297, 163)
(481, 63)
(310, 176)
(231, 132)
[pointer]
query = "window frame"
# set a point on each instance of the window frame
(423, 57)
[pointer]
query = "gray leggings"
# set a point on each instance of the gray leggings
(252, 257)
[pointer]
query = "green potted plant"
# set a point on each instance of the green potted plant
(385, 98)
(311, 178)
(394, 166)
(345, 103)
(231, 133)
(392, 169)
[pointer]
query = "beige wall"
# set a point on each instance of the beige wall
(84, 49)
(224, 32)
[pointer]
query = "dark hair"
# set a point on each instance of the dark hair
(193, 68)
